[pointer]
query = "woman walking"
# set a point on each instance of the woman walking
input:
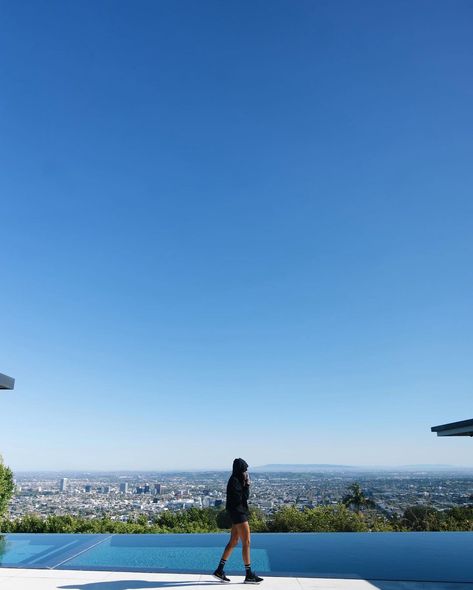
(238, 491)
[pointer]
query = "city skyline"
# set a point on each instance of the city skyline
(126, 496)
(235, 229)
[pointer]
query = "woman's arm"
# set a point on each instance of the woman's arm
(235, 495)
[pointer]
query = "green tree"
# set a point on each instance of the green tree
(322, 519)
(287, 519)
(459, 518)
(355, 498)
(257, 521)
(6, 486)
(335, 518)
(422, 518)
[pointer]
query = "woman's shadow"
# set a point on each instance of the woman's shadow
(134, 585)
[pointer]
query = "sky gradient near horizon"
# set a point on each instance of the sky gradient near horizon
(235, 229)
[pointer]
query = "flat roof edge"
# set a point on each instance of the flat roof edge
(462, 428)
(6, 382)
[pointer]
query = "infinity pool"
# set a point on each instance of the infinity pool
(436, 557)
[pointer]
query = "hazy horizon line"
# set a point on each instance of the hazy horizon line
(271, 466)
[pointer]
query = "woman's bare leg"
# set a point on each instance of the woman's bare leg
(244, 534)
(232, 543)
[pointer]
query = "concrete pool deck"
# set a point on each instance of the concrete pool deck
(44, 579)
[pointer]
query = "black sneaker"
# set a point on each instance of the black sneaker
(220, 575)
(252, 578)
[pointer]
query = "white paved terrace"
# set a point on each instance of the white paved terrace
(43, 579)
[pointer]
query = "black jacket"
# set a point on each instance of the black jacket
(237, 491)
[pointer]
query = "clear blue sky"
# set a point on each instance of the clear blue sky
(235, 228)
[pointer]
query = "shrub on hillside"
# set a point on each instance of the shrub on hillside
(6, 486)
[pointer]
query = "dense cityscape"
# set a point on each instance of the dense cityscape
(123, 496)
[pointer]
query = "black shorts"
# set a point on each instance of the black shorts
(237, 517)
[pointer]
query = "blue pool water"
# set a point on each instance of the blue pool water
(437, 557)
(24, 550)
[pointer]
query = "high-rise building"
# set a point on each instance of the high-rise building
(63, 484)
(124, 488)
(157, 488)
(87, 488)
(146, 489)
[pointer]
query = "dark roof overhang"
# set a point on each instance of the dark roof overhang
(6, 382)
(462, 428)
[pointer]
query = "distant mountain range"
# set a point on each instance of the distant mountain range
(270, 468)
